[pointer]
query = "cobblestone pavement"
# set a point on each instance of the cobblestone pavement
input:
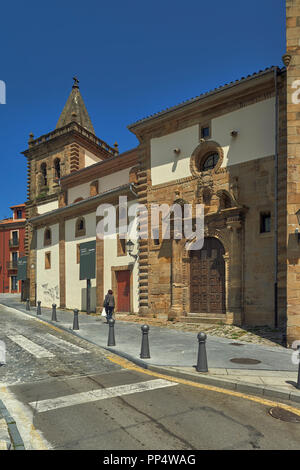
(263, 335)
(67, 354)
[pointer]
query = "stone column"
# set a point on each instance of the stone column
(99, 273)
(233, 281)
(292, 61)
(176, 280)
(62, 264)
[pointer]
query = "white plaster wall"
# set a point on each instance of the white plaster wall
(82, 190)
(164, 165)
(47, 280)
(76, 289)
(256, 133)
(105, 184)
(114, 180)
(49, 206)
(90, 158)
(112, 259)
(256, 139)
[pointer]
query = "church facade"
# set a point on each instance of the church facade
(235, 150)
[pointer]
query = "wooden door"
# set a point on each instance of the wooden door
(207, 288)
(123, 291)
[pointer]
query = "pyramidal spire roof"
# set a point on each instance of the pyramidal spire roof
(75, 110)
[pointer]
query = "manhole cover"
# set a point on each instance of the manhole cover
(284, 415)
(245, 360)
(236, 344)
(58, 373)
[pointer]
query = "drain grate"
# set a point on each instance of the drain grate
(236, 344)
(284, 415)
(245, 360)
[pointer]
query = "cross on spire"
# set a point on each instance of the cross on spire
(76, 81)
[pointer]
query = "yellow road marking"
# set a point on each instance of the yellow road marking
(128, 365)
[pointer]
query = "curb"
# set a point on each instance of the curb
(202, 378)
(16, 442)
(243, 387)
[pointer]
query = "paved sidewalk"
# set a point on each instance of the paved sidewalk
(174, 353)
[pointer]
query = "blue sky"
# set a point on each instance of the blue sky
(133, 58)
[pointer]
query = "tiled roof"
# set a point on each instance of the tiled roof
(204, 95)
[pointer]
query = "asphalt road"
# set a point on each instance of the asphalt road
(65, 393)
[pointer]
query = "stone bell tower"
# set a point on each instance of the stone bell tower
(292, 62)
(72, 146)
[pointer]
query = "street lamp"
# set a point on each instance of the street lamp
(130, 246)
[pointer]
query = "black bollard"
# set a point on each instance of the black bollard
(202, 359)
(54, 317)
(75, 321)
(111, 333)
(298, 381)
(38, 310)
(27, 304)
(145, 351)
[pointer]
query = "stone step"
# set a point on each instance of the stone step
(203, 318)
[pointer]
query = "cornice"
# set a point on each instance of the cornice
(82, 207)
(51, 141)
(255, 85)
(100, 169)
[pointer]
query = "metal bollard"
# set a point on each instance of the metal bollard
(54, 317)
(75, 320)
(38, 310)
(111, 333)
(298, 381)
(202, 358)
(145, 351)
(27, 304)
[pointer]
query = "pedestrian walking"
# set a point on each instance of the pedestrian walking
(109, 304)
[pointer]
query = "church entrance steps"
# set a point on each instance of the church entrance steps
(203, 318)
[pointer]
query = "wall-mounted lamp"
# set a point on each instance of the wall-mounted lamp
(130, 246)
(297, 233)
(176, 151)
(234, 133)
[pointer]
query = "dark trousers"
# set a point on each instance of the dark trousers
(109, 312)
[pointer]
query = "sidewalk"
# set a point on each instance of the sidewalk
(10, 438)
(174, 353)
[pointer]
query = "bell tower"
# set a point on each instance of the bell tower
(70, 147)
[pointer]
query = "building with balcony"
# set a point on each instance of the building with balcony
(12, 236)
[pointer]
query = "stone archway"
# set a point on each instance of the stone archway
(207, 278)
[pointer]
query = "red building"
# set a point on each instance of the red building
(12, 235)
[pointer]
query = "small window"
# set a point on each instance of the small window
(14, 283)
(44, 174)
(209, 162)
(121, 247)
(57, 168)
(205, 132)
(80, 227)
(94, 188)
(47, 237)
(48, 260)
(155, 236)
(265, 222)
(19, 214)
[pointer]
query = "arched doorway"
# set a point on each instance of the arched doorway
(207, 278)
